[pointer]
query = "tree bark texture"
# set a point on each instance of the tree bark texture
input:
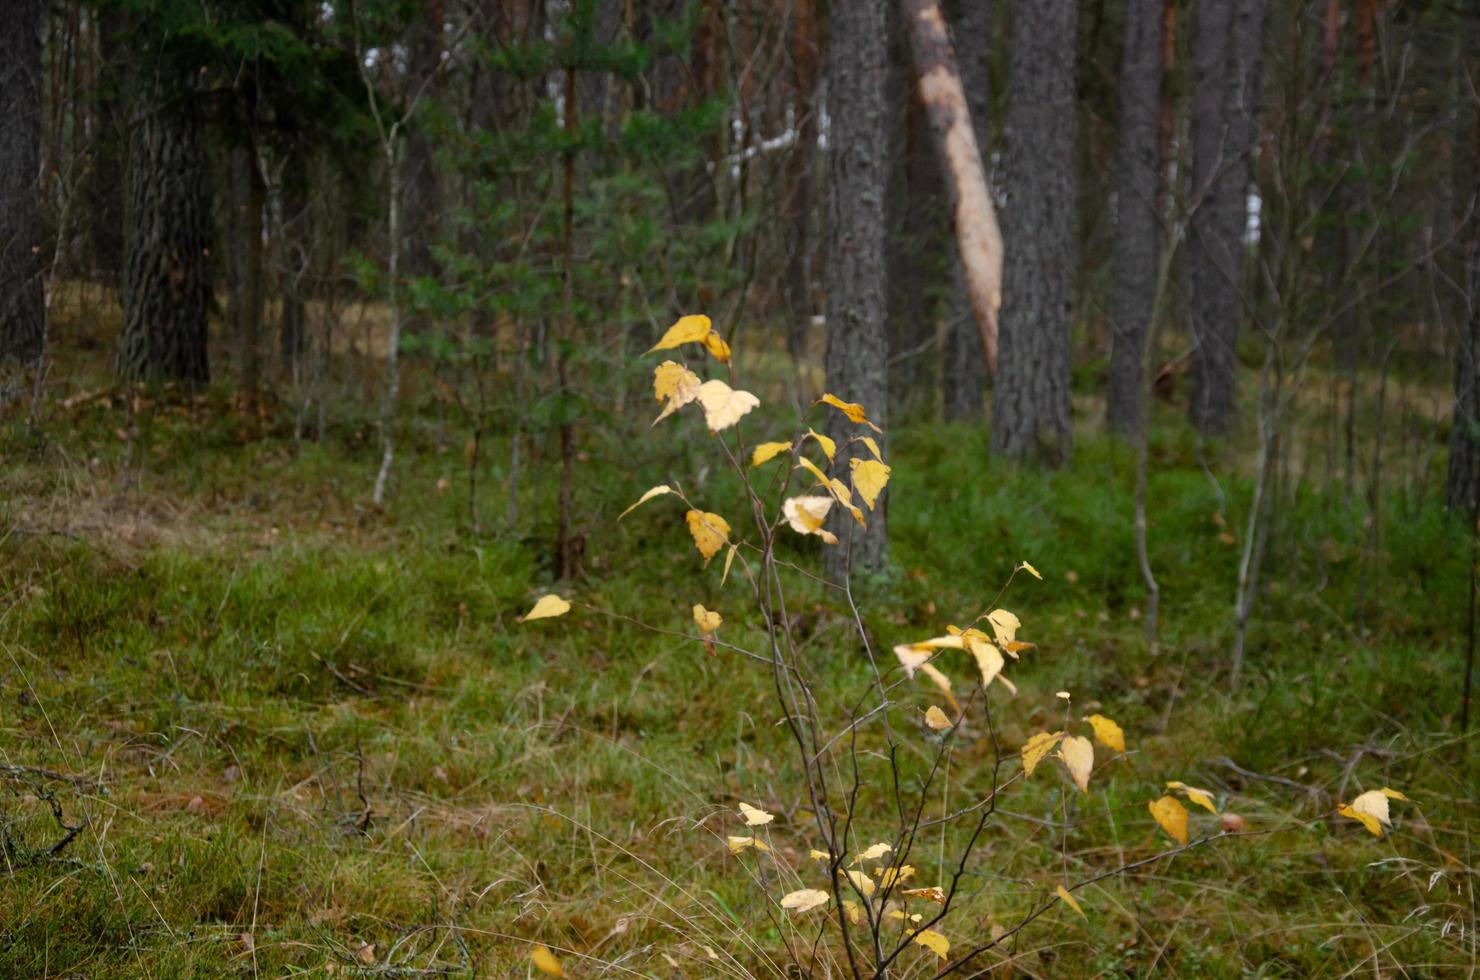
(965, 358)
(167, 280)
(22, 299)
(1463, 487)
(978, 239)
(857, 351)
(1138, 229)
(1227, 56)
(1031, 417)
(800, 163)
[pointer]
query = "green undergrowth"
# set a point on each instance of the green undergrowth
(299, 736)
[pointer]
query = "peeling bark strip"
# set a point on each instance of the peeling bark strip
(977, 236)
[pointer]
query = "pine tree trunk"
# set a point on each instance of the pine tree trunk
(1227, 55)
(1031, 416)
(965, 364)
(1137, 226)
(857, 352)
(1463, 487)
(22, 302)
(167, 280)
(108, 146)
(800, 183)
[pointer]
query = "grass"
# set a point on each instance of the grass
(299, 736)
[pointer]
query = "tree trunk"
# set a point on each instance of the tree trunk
(1031, 415)
(1464, 437)
(799, 184)
(978, 240)
(1227, 55)
(421, 184)
(167, 280)
(293, 261)
(1137, 225)
(912, 209)
(108, 145)
(249, 195)
(857, 352)
(22, 303)
(965, 359)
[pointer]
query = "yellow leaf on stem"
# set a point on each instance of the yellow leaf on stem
(1172, 816)
(687, 330)
(547, 607)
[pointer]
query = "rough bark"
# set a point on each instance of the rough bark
(916, 243)
(799, 180)
(22, 303)
(978, 239)
(1463, 486)
(965, 358)
(108, 145)
(167, 281)
(1137, 224)
(1031, 416)
(856, 288)
(1227, 55)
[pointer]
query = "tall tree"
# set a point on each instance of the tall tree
(1463, 488)
(1227, 59)
(1137, 225)
(965, 365)
(22, 304)
(167, 280)
(857, 351)
(799, 180)
(1031, 415)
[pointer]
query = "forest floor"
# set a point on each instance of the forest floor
(297, 735)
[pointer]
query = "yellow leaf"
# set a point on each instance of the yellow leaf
(936, 719)
(674, 384)
(1078, 755)
(548, 607)
(1036, 747)
(1373, 825)
(873, 853)
(806, 515)
(943, 682)
(855, 914)
(862, 882)
(911, 657)
(869, 478)
(829, 447)
(707, 619)
(1172, 816)
(687, 330)
(1005, 625)
(1016, 647)
(738, 844)
(717, 347)
(1031, 571)
(957, 642)
(545, 961)
(729, 559)
(1070, 900)
(723, 405)
(755, 817)
(811, 467)
(657, 491)
(890, 877)
(934, 942)
(817, 855)
(768, 451)
(853, 410)
(1374, 803)
(900, 914)
(1202, 797)
(934, 894)
(1107, 732)
(710, 532)
(873, 447)
(805, 899)
(988, 658)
